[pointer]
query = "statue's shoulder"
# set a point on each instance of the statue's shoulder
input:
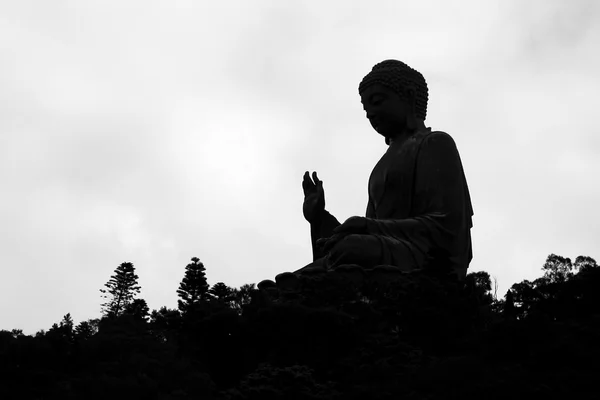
(437, 135)
(437, 138)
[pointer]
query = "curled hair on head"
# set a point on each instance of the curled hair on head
(399, 77)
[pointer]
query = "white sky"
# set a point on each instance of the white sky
(156, 131)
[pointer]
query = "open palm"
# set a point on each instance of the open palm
(314, 197)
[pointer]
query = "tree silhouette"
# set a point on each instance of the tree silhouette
(138, 308)
(557, 269)
(64, 329)
(221, 292)
(243, 296)
(67, 322)
(120, 290)
(584, 263)
(480, 284)
(404, 342)
(164, 323)
(67, 326)
(509, 305)
(17, 333)
(524, 296)
(84, 330)
(193, 288)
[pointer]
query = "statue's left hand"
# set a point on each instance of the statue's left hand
(353, 225)
(326, 244)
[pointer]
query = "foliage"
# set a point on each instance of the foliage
(584, 264)
(120, 290)
(165, 325)
(138, 308)
(291, 382)
(242, 297)
(222, 292)
(557, 269)
(193, 288)
(423, 337)
(86, 329)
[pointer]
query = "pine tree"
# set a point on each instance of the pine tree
(84, 330)
(67, 322)
(67, 326)
(120, 290)
(221, 292)
(62, 334)
(193, 288)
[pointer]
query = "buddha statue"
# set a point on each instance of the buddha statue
(419, 210)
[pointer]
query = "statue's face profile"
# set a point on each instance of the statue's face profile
(386, 110)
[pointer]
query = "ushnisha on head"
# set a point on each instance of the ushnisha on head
(394, 97)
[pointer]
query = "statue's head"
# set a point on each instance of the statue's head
(394, 95)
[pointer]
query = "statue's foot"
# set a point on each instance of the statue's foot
(312, 272)
(266, 284)
(353, 273)
(316, 265)
(386, 275)
(269, 288)
(288, 281)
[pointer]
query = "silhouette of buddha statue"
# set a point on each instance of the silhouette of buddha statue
(419, 209)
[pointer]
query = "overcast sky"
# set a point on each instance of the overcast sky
(157, 131)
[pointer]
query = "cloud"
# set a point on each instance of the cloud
(151, 133)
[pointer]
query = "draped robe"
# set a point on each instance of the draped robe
(419, 207)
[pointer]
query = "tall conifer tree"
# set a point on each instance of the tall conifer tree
(120, 290)
(221, 292)
(193, 288)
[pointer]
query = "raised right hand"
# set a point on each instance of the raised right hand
(314, 197)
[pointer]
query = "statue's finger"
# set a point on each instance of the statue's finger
(351, 225)
(305, 186)
(330, 244)
(343, 228)
(321, 245)
(326, 245)
(306, 178)
(320, 186)
(307, 183)
(315, 177)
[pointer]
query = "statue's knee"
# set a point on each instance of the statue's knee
(361, 249)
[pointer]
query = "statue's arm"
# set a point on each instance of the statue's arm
(322, 227)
